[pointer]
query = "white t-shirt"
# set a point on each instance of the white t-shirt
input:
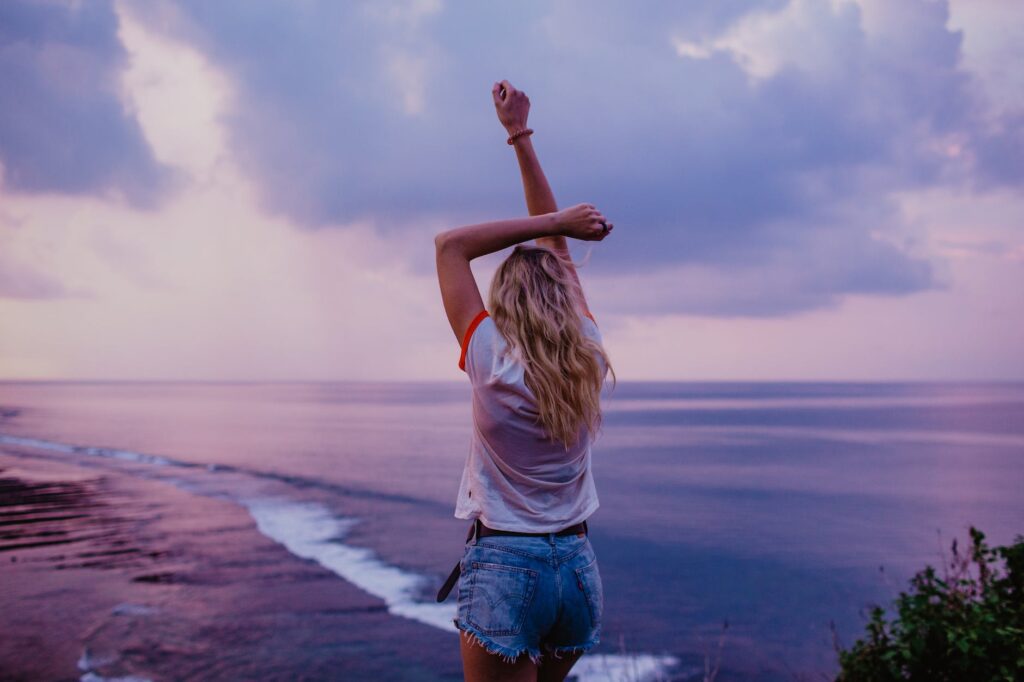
(515, 478)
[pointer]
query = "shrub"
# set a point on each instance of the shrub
(968, 625)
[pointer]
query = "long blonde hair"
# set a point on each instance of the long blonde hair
(537, 306)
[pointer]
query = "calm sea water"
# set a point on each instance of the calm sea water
(769, 506)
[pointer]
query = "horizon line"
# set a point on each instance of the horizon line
(3, 380)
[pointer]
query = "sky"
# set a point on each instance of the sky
(801, 190)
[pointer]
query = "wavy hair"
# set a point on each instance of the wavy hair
(536, 304)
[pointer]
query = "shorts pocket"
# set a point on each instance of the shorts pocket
(499, 596)
(589, 578)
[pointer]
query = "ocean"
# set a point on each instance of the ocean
(301, 530)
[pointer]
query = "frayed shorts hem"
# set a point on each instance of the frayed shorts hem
(510, 654)
(507, 654)
(582, 648)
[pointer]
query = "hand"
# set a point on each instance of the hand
(583, 221)
(513, 106)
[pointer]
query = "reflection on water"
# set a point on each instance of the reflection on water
(770, 505)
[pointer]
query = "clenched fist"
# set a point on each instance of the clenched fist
(513, 106)
(583, 221)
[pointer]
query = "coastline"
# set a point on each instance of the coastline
(111, 576)
(771, 507)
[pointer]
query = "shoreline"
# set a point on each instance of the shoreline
(130, 557)
(108, 575)
(774, 511)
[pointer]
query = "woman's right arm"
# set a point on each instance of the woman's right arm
(457, 247)
(513, 107)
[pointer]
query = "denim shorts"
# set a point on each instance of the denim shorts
(530, 593)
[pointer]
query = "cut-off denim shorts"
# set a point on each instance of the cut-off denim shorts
(527, 593)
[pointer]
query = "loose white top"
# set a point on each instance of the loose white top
(515, 478)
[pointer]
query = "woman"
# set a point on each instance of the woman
(529, 578)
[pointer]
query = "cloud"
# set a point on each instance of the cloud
(208, 286)
(828, 266)
(760, 142)
(21, 280)
(63, 127)
(778, 218)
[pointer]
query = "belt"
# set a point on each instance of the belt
(481, 531)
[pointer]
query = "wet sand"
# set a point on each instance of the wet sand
(107, 576)
(299, 530)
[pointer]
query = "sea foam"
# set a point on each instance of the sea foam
(312, 531)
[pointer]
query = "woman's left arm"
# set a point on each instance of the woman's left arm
(457, 247)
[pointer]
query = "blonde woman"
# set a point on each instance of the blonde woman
(529, 591)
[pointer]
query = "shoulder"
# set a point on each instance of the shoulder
(479, 345)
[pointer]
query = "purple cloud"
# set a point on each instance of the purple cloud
(347, 111)
(62, 125)
(19, 280)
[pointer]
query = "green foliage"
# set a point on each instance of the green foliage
(965, 626)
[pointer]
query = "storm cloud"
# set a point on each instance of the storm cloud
(760, 142)
(63, 125)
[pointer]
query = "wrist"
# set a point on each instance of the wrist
(556, 228)
(517, 134)
(521, 141)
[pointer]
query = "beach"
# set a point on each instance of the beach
(108, 576)
(159, 531)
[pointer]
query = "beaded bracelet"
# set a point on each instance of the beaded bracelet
(524, 131)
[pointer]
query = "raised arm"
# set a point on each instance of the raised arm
(457, 247)
(513, 108)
